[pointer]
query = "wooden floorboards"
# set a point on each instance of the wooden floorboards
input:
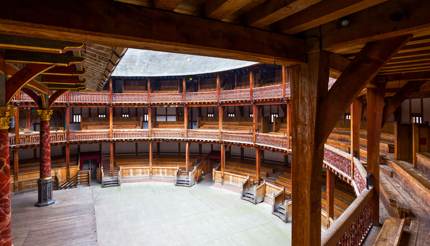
(70, 221)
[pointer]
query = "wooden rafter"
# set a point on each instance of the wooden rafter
(167, 4)
(20, 78)
(64, 71)
(353, 79)
(395, 101)
(220, 9)
(16, 56)
(322, 13)
(59, 79)
(37, 44)
(272, 11)
(41, 88)
(390, 19)
(159, 30)
(36, 98)
(405, 76)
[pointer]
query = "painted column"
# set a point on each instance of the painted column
(5, 195)
(45, 180)
(330, 193)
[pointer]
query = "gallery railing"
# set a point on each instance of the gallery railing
(207, 97)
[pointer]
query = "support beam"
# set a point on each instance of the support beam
(356, 110)
(220, 117)
(187, 156)
(55, 96)
(272, 11)
(322, 13)
(415, 143)
(159, 30)
(67, 127)
(20, 78)
(220, 9)
(167, 4)
(37, 44)
(186, 120)
(309, 85)
(150, 157)
(257, 164)
(15, 56)
(255, 118)
(352, 80)
(222, 160)
(330, 187)
(5, 194)
(394, 18)
(375, 106)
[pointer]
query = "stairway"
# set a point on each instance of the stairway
(183, 179)
(111, 179)
(280, 211)
(83, 177)
(250, 192)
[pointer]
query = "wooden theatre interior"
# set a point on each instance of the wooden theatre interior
(330, 127)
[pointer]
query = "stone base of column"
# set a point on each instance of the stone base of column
(44, 192)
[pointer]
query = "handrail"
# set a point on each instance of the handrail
(353, 225)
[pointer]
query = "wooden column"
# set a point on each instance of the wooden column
(220, 117)
(222, 160)
(150, 156)
(5, 194)
(187, 156)
(111, 156)
(356, 110)
(257, 164)
(218, 88)
(375, 106)
(415, 143)
(309, 84)
(45, 181)
(16, 150)
(110, 121)
(67, 157)
(255, 118)
(186, 120)
(330, 186)
(289, 121)
(251, 86)
(284, 81)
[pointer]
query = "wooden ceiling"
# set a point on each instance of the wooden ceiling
(268, 31)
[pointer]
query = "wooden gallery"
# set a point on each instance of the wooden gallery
(224, 122)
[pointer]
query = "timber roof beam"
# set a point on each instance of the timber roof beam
(16, 56)
(37, 44)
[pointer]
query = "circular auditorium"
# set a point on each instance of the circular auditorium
(191, 122)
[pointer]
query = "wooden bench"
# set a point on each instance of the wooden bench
(391, 232)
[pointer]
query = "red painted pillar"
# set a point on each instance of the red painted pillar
(5, 199)
(45, 180)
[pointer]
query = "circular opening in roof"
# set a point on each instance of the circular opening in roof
(143, 63)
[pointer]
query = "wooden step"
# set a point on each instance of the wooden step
(391, 232)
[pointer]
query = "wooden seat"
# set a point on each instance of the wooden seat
(391, 232)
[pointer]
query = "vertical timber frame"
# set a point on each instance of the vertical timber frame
(309, 83)
(67, 119)
(16, 151)
(356, 110)
(375, 106)
(330, 187)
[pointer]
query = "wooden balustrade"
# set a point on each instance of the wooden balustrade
(130, 98)
(235, 95)
(127, 134)
(167, 98)
(89, 97)
(89, 135)
(273, 140)
(352, 227)
(236, 136)
(339, 160)
(202, 97)
(203, 134)
(167, 133)
(268, 92)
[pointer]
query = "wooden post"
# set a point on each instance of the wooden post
(375, 106)
(111, 156)
(396, 140)
(309, 84)
(16, 150)
(184, 88)
(255, 117)
(218, 88)
(330, 187)
(150, 157)
(257, 164)
(284, 81)
(220, 117)
(251, 86)
(186, 121)
(355, 122)
(289, 121)
(110, 121)
(187, 156)
(415, 143)
(222, 160)
(28, 119)
(67, 157)
(150, 121)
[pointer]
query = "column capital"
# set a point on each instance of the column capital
(44, 114)
(5, 114)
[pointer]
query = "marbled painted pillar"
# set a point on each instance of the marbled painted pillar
(5, 179)
(45, 180)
